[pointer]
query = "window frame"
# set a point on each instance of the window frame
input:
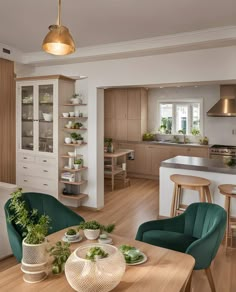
(175, 102)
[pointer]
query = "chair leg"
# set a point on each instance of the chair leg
(208, 194)
(173, 204)
(210, 279)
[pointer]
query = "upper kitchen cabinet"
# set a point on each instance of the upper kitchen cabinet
(36, 116)
(128, 120)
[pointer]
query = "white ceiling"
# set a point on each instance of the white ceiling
(24, 23)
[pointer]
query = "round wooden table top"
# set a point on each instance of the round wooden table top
(227, 189)
(189, 180)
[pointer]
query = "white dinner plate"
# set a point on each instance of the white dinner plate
(139, 262)
(78, 239)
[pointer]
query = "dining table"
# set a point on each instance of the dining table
(164, 270)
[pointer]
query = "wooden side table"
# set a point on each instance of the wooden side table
(226, 190)
(192, 183)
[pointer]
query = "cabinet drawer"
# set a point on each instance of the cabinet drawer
(46, 161)
(28, 182)
(26, 157)
(35, 170)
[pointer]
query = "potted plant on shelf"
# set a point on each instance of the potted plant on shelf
(34, 245)
(108, 145)
(79, 139)
(74, 137)
(75, 98)
(78, 125)
(60, 253)
(93, 228)
(78, 163)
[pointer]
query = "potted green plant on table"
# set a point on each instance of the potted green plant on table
(108, 145)
(93, 228)
(34, 245)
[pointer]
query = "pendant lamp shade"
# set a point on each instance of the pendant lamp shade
(58, 41)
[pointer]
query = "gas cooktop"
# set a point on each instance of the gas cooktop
(223, 146)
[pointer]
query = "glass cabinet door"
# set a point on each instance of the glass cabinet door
(45, 116)
(27, 118)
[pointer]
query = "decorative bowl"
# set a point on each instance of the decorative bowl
(47, 117)
(72, 237)
(65, 115)
(91, 234)
(72, 154)
(101, 275)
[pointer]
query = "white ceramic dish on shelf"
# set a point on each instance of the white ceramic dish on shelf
(47, 117)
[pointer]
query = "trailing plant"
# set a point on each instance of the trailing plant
(60, 252)
(35, 228)
(94, 225)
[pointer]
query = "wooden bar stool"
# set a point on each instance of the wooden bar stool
(226, 190)
(192, 183)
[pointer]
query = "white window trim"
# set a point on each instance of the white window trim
(184, 100)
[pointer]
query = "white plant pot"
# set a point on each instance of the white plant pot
(79, 142)
(76, 166)
(91, 234)
(34, 262)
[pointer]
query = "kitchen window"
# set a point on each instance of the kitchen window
(183, 117)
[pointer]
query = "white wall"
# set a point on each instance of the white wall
(202, 65)
(217, 129)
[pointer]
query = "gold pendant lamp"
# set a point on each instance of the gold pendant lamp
(58, 41)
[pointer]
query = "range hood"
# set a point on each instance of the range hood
(226, 106)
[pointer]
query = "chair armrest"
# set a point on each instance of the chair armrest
(205, 249)
(175, 224)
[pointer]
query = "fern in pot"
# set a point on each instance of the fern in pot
(35, 229)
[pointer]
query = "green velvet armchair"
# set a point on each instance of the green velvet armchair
(60, 215)
(198, 232)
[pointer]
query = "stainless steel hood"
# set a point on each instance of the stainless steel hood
(226, 106)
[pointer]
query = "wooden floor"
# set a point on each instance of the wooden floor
(129, 207)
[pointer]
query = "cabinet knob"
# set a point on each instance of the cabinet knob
(45, 185)
(45, 160)
(25, 167)
(25, 157)
(45, 170)
(25, 180)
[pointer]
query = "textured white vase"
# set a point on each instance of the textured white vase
(101, 275)
(34, 262)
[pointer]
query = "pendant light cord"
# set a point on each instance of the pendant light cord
(59, 13)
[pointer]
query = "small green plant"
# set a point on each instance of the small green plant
(78, 161)
(182, 131)
(78, 125)
(71, 231)
(74, 135)
(94, 225)
(195, 132)
(35, 227)
(75, 95)
(79, 137)
(95, 253)
(60, 252)
(148, 136)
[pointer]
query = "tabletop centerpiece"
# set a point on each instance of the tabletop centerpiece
(95, 267)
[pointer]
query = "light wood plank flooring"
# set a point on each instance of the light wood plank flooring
(129, 207)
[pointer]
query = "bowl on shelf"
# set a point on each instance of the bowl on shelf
(65, 115)
(72, 154)
(67, 140)
(72, 114)
(47, 117)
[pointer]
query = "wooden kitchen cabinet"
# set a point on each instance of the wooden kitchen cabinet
(128, 109)
(148, 157)
(120, 97)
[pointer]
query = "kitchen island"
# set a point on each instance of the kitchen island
(214, 170)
